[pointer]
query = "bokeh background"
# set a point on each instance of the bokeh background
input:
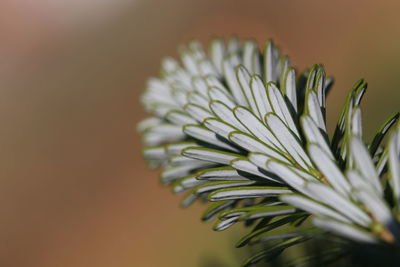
(74, 191)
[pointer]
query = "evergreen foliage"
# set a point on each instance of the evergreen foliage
(240, 128)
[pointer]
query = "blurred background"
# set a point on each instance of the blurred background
(74, 191)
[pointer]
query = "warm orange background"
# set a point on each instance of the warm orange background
(74, 191)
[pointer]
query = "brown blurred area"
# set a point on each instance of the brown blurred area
(74, 190)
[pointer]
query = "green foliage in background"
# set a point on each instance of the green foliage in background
(243, 130)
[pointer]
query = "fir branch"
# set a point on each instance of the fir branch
(236, 127)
